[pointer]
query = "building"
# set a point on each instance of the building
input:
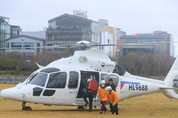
(6, 31)
(115, 32)
(69, 29)
(23, 44)
(156, 42)
(107, 38)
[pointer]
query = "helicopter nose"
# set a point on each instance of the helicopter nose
(12, 93)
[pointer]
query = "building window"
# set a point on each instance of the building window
(131, 40)
(28, 46)
(38, 44)
(158, 40)
(158, 50)
(145, 40)
(16, 45)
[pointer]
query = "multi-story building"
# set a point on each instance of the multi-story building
(156, 42)
(6, 31)
(107, 38)
(115, 32)
(68, 29)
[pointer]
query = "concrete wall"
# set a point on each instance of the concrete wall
(11, 80)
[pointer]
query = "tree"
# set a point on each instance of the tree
(146, 63)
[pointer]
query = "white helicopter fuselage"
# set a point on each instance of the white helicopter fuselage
(59, 83)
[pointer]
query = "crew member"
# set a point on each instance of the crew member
(82, 91)
(88, 94)
(114, 99)
(113, 86)
(102, 95)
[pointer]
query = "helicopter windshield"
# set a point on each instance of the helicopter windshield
(38, 79)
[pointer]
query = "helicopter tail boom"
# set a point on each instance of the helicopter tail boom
(171, 82)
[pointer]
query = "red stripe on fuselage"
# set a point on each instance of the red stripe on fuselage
(122, 85)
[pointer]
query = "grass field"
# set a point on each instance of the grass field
(149, 106)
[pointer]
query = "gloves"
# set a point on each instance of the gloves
(83, 90)
(113, 105)
(98, 98)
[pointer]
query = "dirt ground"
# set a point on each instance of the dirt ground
(149, 106)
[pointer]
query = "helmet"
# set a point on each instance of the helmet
(103, 82)
(108, 88)
(88, 80)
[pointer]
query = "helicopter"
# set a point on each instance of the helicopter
(59, 83)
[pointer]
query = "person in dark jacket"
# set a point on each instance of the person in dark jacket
(82, 90)
(113, 86)
(88, 94)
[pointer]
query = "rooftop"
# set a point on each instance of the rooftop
(68, 15)
(31, 37)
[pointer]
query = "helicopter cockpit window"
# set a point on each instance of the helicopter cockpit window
(105, 77)
(73, 81)
(115, 79)
(38, 79)
(57, 80)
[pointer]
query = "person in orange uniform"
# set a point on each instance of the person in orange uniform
(114, 99)
(102, 95)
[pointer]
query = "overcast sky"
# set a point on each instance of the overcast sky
(132, 16)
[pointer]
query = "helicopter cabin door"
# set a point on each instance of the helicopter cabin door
(55, 88)
(72, 87)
